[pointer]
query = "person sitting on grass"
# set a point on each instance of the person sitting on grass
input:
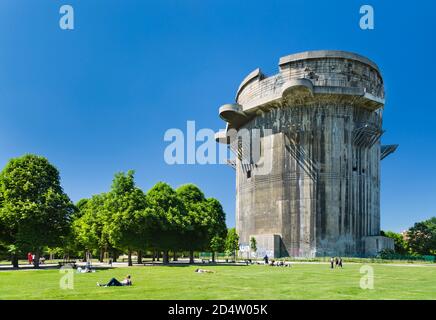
(204, 271)
(115, 283)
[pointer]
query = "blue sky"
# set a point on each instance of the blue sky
(98, 99)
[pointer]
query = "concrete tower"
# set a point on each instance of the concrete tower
(314, 187)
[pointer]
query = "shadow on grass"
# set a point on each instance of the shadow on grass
(193, 265)
(48, 267)
(98, 267)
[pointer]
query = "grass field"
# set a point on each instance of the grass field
(301, 281)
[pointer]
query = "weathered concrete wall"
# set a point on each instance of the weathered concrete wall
(322, 195)
(267, 245)
(374, 245)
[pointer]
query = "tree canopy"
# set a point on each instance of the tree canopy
(232, 241)
(125, 203)
(422, 237)
(163, 219)
(400, 244)
(89, 225)
(35, 212)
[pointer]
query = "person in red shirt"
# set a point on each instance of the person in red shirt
(29, 257)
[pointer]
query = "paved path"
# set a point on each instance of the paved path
(99, 265)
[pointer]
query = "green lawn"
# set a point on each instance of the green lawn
(301, 281)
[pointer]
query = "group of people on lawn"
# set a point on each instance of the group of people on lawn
(274, 263)
(31, 258)
(335, 262)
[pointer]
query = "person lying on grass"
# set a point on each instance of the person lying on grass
(115, 283)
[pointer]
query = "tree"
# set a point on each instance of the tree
(217, 244)
(88, 226)
(81, 205)
(35, 211)
(216, 229)
(400, 244)
(165, 216)
(126, 204)
(422, 237)
(196, 231)
(232, 242)
(253, 244)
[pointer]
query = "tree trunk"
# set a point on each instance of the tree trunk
(158, 256)
(130, 263)
(213, 257)
(191, 257)
(114, 255)
(139, 257)
(154, 256)
(14, 260)
(165, 258)
(36, 261)
(101, 258)
(174, 256)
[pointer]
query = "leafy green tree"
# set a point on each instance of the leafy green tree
(3, 228)
(253, 244)
(232, 242)
(400, 244)
(89, 224)
(198, 220)
(126, 203)
(217, 244)
(80, 206)
(165, 219)
(35, 211)
(422, 237)
(216, 228)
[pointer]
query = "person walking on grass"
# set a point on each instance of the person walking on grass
(265, 259)
(340, 262)
(332, 260)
